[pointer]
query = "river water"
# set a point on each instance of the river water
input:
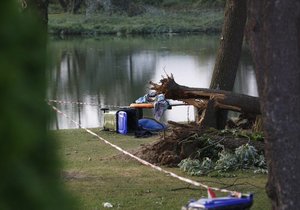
(115, 71)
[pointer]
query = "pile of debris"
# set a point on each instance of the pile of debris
(183, 141)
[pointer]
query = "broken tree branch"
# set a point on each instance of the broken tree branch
(199, 97)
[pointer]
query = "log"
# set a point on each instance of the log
(199, 97)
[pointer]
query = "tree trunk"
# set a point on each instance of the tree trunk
(207, 99)
(229, 52)
(274, 38)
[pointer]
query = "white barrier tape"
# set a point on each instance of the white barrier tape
(72, 102)
(82, 103)
(197, 184)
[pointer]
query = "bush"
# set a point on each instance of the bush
(29, 177)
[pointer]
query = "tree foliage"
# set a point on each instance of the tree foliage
(29, 177)
(244, 157)
(131, 7)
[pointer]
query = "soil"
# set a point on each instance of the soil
(185, 140)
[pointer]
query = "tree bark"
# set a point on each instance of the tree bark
(228, 54)
(230, 47)
(274, 37)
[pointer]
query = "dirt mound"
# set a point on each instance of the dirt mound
(188, 140)
(161, 152)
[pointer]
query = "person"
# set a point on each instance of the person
(160, 106)
(149, 97)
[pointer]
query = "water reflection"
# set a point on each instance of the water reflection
(116, 70)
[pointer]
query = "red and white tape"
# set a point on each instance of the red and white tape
(189, 181)
(72, 102)
(82, 103)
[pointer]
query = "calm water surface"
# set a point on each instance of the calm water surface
(115, 71)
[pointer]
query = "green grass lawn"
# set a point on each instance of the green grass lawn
(96, 173)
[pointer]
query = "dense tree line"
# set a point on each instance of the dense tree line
(133, 7)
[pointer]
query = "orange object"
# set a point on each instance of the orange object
(142, 105)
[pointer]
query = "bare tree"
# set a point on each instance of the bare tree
(274, 37)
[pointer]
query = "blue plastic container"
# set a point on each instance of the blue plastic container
(222, 203)
(122, 122)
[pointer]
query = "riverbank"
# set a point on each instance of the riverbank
(96, 173)
(200, 21)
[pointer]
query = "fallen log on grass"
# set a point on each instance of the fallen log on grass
(208, 101)
(199, 97)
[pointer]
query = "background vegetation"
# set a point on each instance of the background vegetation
(136, 17)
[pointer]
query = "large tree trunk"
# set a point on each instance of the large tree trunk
(274, 37)
(207, 99)
(229, 52)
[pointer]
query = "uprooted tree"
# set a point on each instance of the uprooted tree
(186, 140)
(207, 100)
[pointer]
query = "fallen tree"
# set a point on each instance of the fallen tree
(197, 140)
(208, 101)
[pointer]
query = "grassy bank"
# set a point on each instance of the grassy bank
(208, 20)
(97, 173)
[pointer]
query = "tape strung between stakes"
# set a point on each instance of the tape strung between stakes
(132, 105)
(83, 103)
(197, 184)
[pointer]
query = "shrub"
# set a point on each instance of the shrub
(244, 157)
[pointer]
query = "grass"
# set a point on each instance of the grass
(209, 20)
(96, 173)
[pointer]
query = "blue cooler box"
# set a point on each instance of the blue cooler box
(127, 119)
(122, 122)
(222, 203)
